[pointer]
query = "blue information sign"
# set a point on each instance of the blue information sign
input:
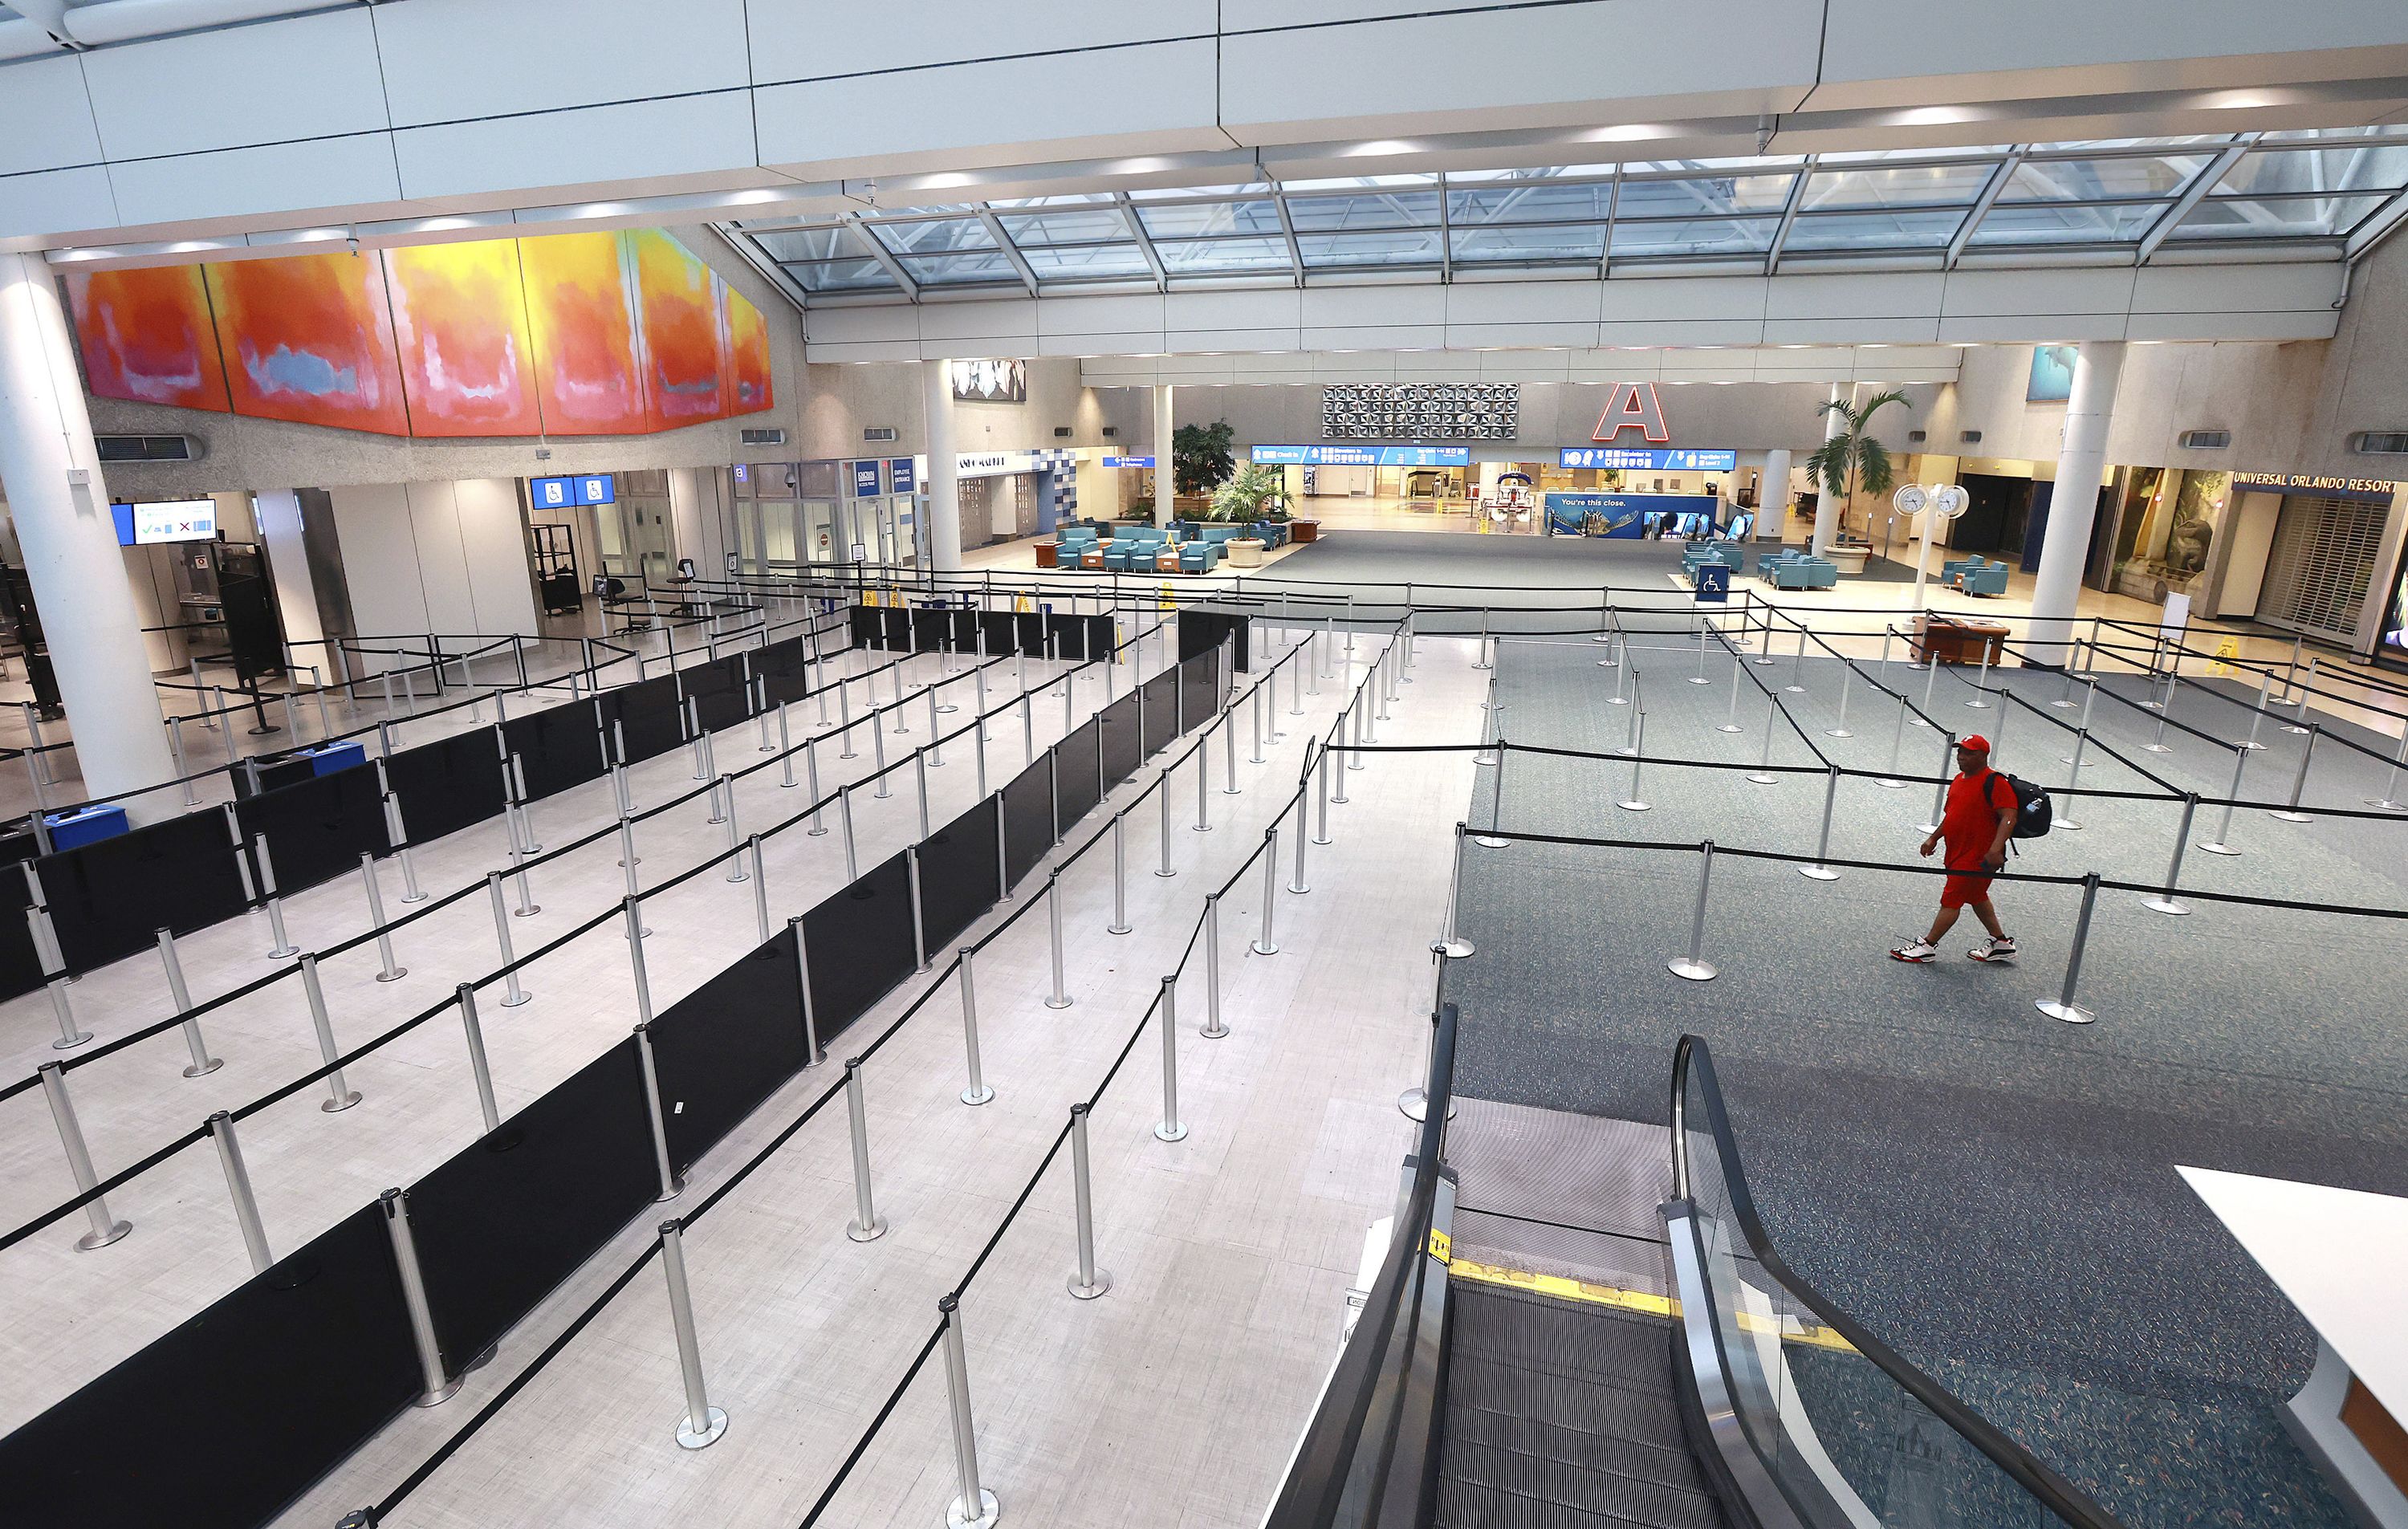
(865, 479)
(596, 489)
(1659, 459)
(1364, 456)
(1714, 584)
(899, 473)
(1134, 462)
(744, 473)
(551, 492)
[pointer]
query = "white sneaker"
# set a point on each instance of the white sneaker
(2001, 949)
(1915, 949)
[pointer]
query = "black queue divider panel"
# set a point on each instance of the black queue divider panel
(110, 898)
(785, 669)
(1123, 749)
(1201, 631)
(230, 1418)
(559, 748)
(646, 719)
(224, 1421)
(21, 967)
(1200, 690)
(1078, 772)
(447, 785)
(718, 690)
(317, 829)
(1158, 709)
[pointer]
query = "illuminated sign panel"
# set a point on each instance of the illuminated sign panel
(1632, 406)
(1651, 459)
(1362, 456)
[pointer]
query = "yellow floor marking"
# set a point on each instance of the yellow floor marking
(1792, 1331)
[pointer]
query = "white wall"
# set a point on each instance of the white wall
(443, 557)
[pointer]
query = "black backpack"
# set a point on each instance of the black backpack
(2033, 814)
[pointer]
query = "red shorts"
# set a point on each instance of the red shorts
(1960, 888)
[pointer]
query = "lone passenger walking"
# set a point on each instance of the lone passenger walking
(1978, 820)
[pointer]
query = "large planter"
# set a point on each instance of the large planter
(1848, 559)
(1245, 552)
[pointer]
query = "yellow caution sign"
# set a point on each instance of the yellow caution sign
(2227, 650)
(1441, 1245)
(1169, 600)
(1020, 604)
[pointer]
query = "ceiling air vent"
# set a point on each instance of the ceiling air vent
(1061, 432)
(150, 449)
(1112, 432)
(1915, 436)
(763, 438)
(2380, 443)
(2204, 440)
(878, 432)
(1970, 437)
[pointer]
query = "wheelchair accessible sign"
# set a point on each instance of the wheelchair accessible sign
(1714, 584)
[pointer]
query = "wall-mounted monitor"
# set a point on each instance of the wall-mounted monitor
(164, 521)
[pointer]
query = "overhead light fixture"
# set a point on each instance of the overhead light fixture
(1627, 133)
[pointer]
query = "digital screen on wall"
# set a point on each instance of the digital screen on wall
(164, 521)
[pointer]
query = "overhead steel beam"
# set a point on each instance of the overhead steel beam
(1144, 240)
(2001, 174)
(2192, 194)
(1789, 215)
(879, 252)
(1011, 250)
(1287, 227)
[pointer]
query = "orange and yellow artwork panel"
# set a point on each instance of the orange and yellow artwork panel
(747, 355)
(309, 338)
(467, 367)
(145, 337)
(678, 299)
(582, 319)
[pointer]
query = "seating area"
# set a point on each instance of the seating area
(1190, 545)
(1794, 570)
(1974, 575)
(1730, 554)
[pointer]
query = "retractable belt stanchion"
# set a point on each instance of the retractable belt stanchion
(203, 1063)
(1693, 966)
(1169, 1128)
(1821, 870)
(2222, 843)
(976, 1508)
(1087, 1281)
(106, 1228)
(1120, 924)
(480, 1065)
(2166, 901)
(1451, 941)
(2291, 813)
(703, 1425)
(393, 971)
(237, 1178)
(978, 1093)
(1214, 1029)
(867, 1225)
(434, 1385)
(340, 1095)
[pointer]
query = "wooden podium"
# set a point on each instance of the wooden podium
(1954, 639)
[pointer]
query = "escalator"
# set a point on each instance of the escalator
(1580, 1324)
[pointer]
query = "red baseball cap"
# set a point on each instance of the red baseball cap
(1974, 741)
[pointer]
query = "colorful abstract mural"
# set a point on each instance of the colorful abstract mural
(461, 321)
(683, 361)
(748, 355)
(145, 337)
(580, 312)
(309, 338)
(571, 335)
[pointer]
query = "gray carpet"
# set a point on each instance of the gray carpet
(1991, 1190)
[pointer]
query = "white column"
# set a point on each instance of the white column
(2081, 461)
(944, 488)
(1165, 482)
(1827, 508)
(296, 592)
(70, 547)
(1773, 496)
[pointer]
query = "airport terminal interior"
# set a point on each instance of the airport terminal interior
(1090, 765)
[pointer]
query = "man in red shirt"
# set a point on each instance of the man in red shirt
(1978, 820)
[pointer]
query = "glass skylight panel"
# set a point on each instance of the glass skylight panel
(2278, 218)
(1702, 237)
(1210, 257)
(1191, 219)
(1362, 182)
(1088, 226)
(2158, 176)
(840, 275)
(1845, 231)
(961, 267)
(1401, 247)
(2041, 225)
(1085, 261)
(1366, 210)
(832, 242)
(1777, 165)
(1896, 186)
(1530, 201)
(931, 235)
(2354, 167)
(1704, 196)
(1512, 243)
(1558, 172)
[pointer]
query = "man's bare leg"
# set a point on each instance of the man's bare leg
(1989, 917)
(1945, 921)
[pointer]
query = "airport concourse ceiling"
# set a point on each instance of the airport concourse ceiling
(2320, 195)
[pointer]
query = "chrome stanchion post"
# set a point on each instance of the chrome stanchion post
(478, 1067)
(920, 781)
(1203, 788)
(2062, 1007)
(285, 949)
(237, 1178)
(1496, 801)
(2291, 813)
(813, 1053)
(2391, 777)
(976, 1508)
(1297, 885)
(655, 1115)
(106, 1228)
(878, 757)
(1699, 678)
(2072, 780)
(1256, 695)
(978, 1093)
(703, 1425)
(1321, 832)
(919, 916)
(1059, 999)
(811, 784)
(1267, 944)
(434, 1385)
(1896, 742)
(1762, 775)
(866, 1224)
(1088, 1282)
(2257, 716)
(1228, 755)
(1120, 924)
(392, 973)
(2222, 843)
(1847, 679)
(844, 821)
(1821, 870)
(1939, 791)
(341, 1095)
(1214, 1029)
(760, 879)
(203, 1063)
(1169, 1128)
(1162, 795)
(1693, 965)
(1730, 719)
(2166, 901)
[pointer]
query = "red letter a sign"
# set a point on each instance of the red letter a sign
(1633, 406)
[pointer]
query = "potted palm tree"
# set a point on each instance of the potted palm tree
(1853, 462)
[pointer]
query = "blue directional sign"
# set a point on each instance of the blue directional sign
(899, 473)
(596, 489)
(1363, 456)
(551, 492)
(1714, 584)
(1659, 459)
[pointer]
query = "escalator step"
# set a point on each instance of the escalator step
(1576, 1403)
(1612, 1453)
(1500, 1490)
(1631, 1349)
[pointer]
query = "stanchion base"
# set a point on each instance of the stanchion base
(2062, 705)
(284, 952)
(90, 1240)
(2162, 904)
(1216, 1031)
(714, 1426)
(1695, 971)
(1325, 840)
(2219, 847)
(441, 1394)
(528, 912)
(1088, 1293)
(820, 832)
(1201, 828)
(2246, 744)
(1764, 779)
(393, 976)
(1166, 873)
(2068, 759)
(1837, 732)
(1057, 1003)
(1617, 701)
(1116, 929)
(1455, 948)
(2070, 1013)
(523, 996)
(977, 1095)
(1917, 722)
(2068, 823)
(1728, 727)
(1487, 843)
(1171, 1133)
(1414, 1104)
(1886, 784)
(1766, 661)
(1977, 705)
(959, 1516)
(407, 899)
(2159, 747)
(1625, 754)
(1295, 890)
(1636, 807)
(202, 1070)
(68, 1043)
(1818, 873)
(335, 1107)
(1700, 679)
(2293, 817)
(2386, 804)
(858, 1233)
(1794, 689)
(1261, 949)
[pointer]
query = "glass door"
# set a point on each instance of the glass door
(822, 531)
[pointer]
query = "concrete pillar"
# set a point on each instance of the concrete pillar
(1773, 496)
(944, 485)
(50, 472)
(2081, 461)
(1827, 507)
(1165, 479)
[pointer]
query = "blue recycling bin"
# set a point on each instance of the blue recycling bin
(85, 825)
(326, 758)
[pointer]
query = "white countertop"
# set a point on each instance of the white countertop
(2341, 1255)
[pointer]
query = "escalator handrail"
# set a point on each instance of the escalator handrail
(2060, 1496)
(1317, 1477)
